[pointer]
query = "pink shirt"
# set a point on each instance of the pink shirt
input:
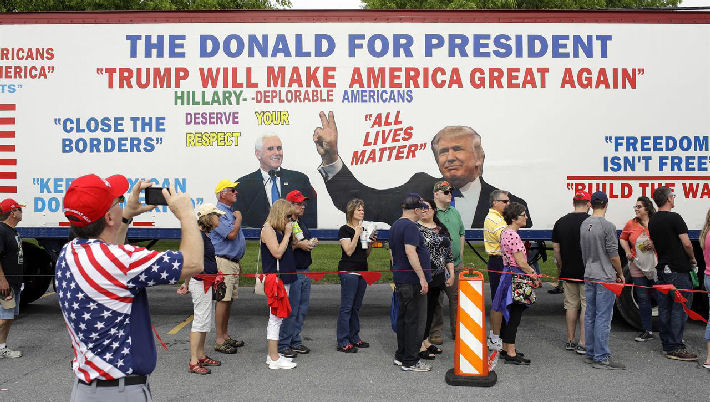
(706, 255)
(511, 243)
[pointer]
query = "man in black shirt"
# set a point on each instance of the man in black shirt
(11, 267)
(570, 265)
(669, 235)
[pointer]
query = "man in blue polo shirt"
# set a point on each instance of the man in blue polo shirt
(410, 270)
(229, 246)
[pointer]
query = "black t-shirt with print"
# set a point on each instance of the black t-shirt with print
(11, 255)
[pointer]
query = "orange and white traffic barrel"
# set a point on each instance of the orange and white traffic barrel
(471, 363)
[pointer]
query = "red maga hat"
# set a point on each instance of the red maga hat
(295, 196)
(582, 196)
(90, 197)
(8, 204)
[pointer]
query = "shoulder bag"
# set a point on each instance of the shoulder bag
(522, 287)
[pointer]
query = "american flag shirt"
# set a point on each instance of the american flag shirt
(102, 294)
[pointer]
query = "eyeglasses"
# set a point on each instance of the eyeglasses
(638, 206)
(504, 201)
(298, 204)
(232, 190)
(119, 200)
(18, 209)
(446, 192)
(523, 215)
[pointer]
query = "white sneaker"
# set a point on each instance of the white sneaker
(9, 353)
(420, 366)
(495, 345)
(268, 358)
(282, 363)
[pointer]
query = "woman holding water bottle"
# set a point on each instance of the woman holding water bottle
(354, 241)
(636, 242)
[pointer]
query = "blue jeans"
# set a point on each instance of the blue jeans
(352, 291)
(670, 314)
(597, 320)
(643, 298)
(707, 328)
(299, 296)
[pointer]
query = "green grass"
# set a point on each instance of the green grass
(327, 255)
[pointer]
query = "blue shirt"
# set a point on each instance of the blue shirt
(303, 257)
(403, 232)
(285, 267)
(210, 264)
(222, 246)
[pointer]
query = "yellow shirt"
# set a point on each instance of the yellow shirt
(492, 227)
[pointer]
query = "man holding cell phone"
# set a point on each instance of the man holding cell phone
(229, 245)
(101, 285)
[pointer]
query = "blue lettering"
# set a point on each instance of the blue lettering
(209, 46)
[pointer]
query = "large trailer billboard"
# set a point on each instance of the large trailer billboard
(559, 101)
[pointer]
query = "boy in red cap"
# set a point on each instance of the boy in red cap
(11, 263)
(299, 294)
(101, 285)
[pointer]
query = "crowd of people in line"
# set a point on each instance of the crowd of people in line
(101, 281)
(658, 250)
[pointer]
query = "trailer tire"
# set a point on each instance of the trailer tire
(38, 271)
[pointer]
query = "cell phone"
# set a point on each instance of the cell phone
(154, 196)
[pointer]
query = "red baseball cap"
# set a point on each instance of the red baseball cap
(8, 204)
(582, 196)
(90, 197)
(295, 196)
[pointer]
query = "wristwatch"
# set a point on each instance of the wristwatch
(126, 221)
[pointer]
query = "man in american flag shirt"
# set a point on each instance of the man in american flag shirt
(101, 284)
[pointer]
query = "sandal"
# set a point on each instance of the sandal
(206, 361)
(434, 350)
(198, 369)
(225, 348)
(233, 342)
(424, 354)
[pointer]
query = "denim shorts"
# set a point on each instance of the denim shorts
(10, 314)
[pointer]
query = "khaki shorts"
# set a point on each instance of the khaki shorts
(574, 295)
(226, 266)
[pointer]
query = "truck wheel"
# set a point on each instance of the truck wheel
(627, 306)
(38, 271)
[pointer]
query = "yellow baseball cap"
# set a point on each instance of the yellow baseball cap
(225, 184)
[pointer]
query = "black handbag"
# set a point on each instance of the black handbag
(219, 290)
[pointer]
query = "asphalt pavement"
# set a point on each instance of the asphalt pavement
(44, 372)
